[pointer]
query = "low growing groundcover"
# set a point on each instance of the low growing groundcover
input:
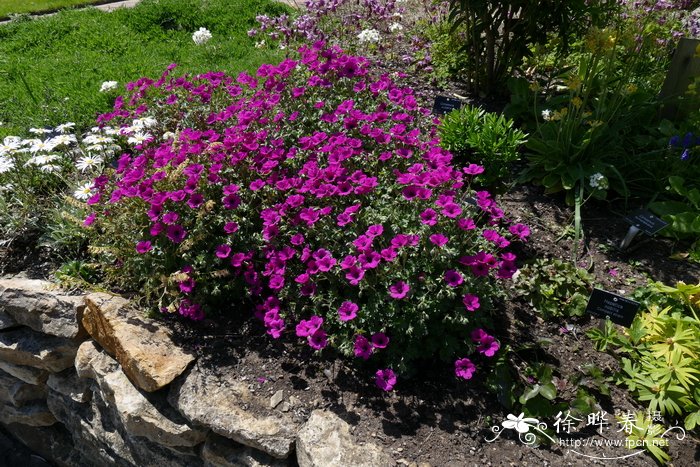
(9, 7)
(52, 67)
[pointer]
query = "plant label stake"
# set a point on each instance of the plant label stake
(642, 221)
(607, 305)
(444, 104)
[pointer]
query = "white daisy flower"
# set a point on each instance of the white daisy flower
(369, 35)
(42, 146)
(201, 36)
(108, 86)
(83, 192)
(6, 164)
(48, 168)
(395, 27)
(63, 140)
(41, 159)
(39, 131)
(138, 138)
(145, 122)
(88, 162)
(546, 115)
(65, 127)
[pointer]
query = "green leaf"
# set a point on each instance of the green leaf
(548, 391)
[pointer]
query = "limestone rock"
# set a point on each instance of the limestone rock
(6, 321)
(27, 374)
(229, 409)
(144, 349)
(141, 414)
(16, 392)
(96, 434)
(223, 452)
(69, 384)
(52, 442)
(31, 303)
(325, 441)
(26, 347)
(34, 414)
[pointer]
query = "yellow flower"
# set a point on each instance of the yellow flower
(630, 88)
(576, 102)
(573, 83)
(535, 86)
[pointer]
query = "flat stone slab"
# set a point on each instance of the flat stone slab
(18, 393)
(27, 374)
(35, 414)
(325, 441)
(231, 410)
(31, 303)
(223, 452)
(141, 414)
(24, 346)
(144, 348)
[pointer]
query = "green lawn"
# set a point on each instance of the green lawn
(8, 7)
(51, 68)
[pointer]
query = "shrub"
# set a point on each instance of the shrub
(486, 138)
(319, 191)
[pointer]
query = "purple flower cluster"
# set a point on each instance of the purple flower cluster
(319, 190)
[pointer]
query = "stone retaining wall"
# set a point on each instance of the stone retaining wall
(84, 380)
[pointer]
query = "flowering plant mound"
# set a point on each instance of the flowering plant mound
(317, 190)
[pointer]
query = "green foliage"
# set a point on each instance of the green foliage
(682, 213)
(643, 432)
(660, 364)
(498, 35)
(486, 138)
(12, 7)
(51, 68)
(554, 288)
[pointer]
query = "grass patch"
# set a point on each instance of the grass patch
(8, 7)
(51, 68)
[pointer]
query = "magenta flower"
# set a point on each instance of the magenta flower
(170, 217)
(473, 169)
(439, 240)
(489, 346)
(223, 251)
(466, 224)
(464, 368)
(318, 340)
(520, 230)
(354, 275)
(348, 311)
(399, 290)
(380, 340)
(385, 379)
(363, 349)
(89, 220)
(187, 286)
(176, 233)
(451, 210)
(305, 328)
(453, 278)
(428, 217)
(375, 230)
(143, 247)
(231, 227)
(471, 302)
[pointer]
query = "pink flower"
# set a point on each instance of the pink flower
(231, 227)
(520, 230)
(89, 220)
(489, 346)
(399, 290)
(453, 278)
(466, 224)
(170, 217)
(613, 272)
(143, 247)
(471, 302)
(473, 169)
(439, 240)
(428, 217)
(363, 349)
(385, 379)
(222, 251)
(354, 275)
(176, 233)
(306, 328)
(464, 368)
(380, 340)
(348, 311)
(318, 340)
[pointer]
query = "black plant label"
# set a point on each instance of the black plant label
(619, 309)
(444, 104)
(646, 221)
